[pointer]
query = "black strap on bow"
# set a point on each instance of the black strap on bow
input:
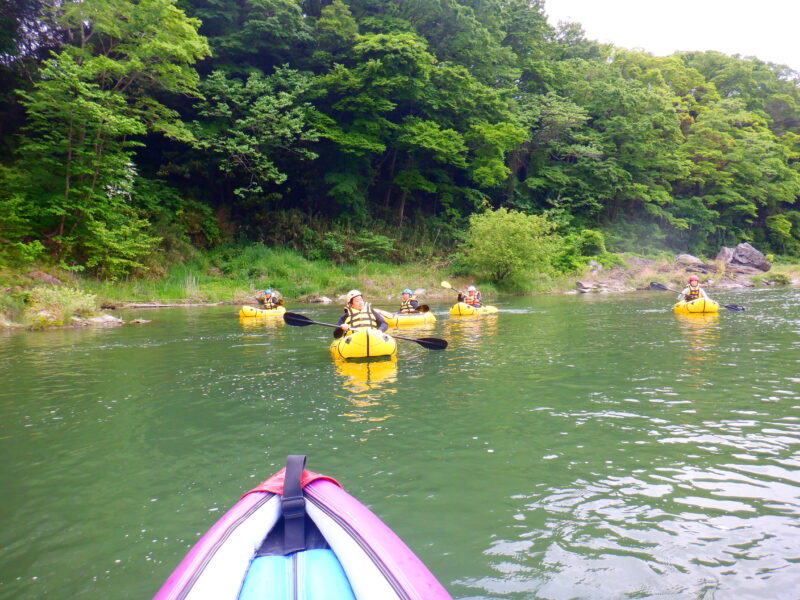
(293, 505)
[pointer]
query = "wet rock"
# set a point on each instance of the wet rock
(45, 278)
(317, 299)
(687, 259)
(733, 284)
(104, 321)
(746, 255)
(586, 286)
(419, 292)
(141, 321)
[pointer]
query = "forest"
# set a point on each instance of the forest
(136, 130)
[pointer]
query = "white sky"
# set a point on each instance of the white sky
(767, 29)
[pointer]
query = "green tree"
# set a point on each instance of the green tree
(90, 103)
(739, 169)
(509, 247)
(251, 125)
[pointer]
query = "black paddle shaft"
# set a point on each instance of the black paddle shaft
(298, 320)
(654, 285)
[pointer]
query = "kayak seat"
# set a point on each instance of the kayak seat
(317, 575)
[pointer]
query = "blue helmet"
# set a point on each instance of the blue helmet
(406, 291)
(267, 291)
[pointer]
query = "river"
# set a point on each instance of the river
(567, 447)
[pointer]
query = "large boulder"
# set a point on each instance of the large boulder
(744, 254)
(687, 259)
(725, 255)
(45, 278)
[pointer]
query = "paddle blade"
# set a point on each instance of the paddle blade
(654, 285)
(297, 320)
(734, 307)
(446, 284)
(431, 343)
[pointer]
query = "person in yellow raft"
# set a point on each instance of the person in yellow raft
(693, 291)
(358, 314)
(472, 297)
(409, 303)
(269, 299)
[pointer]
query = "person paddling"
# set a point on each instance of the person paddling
(269, 299)
(358, 314)
(693, 291)
(409, 303)
(472, 297)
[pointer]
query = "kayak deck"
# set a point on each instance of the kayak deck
(406, 319)
(364, 343)
(250, 311)
(463, 309)
(700, 305)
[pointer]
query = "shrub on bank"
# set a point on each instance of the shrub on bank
(509, 248)
(54, 305)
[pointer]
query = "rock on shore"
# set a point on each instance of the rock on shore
(732, 269)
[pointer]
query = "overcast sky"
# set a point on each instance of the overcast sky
(767, 29)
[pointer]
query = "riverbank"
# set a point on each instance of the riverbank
(44, 297)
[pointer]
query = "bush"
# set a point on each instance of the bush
(509, 248)
(579, 248)
(61, 302)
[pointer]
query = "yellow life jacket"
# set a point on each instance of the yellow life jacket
(472, 300)
(270, 303)
(358, 319)
(693, 293)
(406, 306)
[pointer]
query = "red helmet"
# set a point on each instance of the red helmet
(693, 278)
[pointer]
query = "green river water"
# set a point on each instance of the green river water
(595, 447)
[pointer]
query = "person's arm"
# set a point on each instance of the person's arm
(460, 297)
(415, 304)
(339, 332)
(682, 295)
(703, 294)
(382, 324)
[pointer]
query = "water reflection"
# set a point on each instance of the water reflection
(368, 383)
(700, 334)
(469, 331)
(257, 324)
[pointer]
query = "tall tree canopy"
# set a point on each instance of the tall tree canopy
(409, 115)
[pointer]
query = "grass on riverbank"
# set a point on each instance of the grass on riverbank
(234, 274)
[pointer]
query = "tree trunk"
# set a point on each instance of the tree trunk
(402, 208)
(388, 196)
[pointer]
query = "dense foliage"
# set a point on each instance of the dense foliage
(348, 127)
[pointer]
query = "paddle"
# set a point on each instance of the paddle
(298, 320)
(654, 285)
(446, 285)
